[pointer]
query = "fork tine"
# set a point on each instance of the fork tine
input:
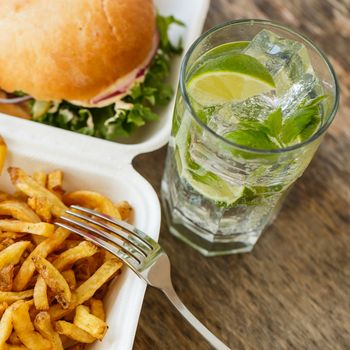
(148, 241)
(102, 234)
(121, 234)
(101, 243)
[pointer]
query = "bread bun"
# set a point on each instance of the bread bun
(72, 49)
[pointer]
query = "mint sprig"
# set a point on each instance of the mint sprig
(274, 133)
(303, 122)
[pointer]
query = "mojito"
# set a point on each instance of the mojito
(247, 121)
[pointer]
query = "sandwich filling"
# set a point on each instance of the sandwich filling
(123, 86)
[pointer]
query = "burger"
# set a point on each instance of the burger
(97, 67)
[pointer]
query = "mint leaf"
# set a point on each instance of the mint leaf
(311, 128)
(255, 125)
(255, 195)
(251, 138)
(274, 122)
(273, 133)
(303, 121)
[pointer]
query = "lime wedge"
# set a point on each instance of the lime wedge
(229, 78)
(206, 183)
(234, 48)
(213, 188)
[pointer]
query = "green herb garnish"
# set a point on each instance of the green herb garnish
(274, 133)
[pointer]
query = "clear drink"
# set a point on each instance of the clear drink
(253, 102)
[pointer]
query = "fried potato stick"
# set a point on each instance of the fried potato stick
(31, 188)
(70, 256)
(72, 331)
(18, 210)
(41, 301)
(89, 322)
(42, 324)
(88, 288)
(40, 228)
(92, 200)
(12, 254)
(27, 269)
(6, 325)
(25, 329)
(54, 280)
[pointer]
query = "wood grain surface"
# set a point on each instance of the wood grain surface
(293, 291)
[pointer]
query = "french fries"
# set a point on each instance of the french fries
(13, 339)
(74, 332)
(18, 210)
(124, 209)
(27, 269)
(41, 228)
(42, 207)
(12, 254)
(3, 152)
(54, 182)
(87, 289)
(78, 346)
(15, 347)
(4, 196)
(41, 301)
(55, 179)
(70, 256)
(6, 325)
(89, 322)
(69, 276)
(6, 278)
(3, 307)
(54, 280)
(43, 325)
(31, 188)
(10, 297)
(25, 329)
(97, 308)
(40, 177)
(92, 200)
(51, 281)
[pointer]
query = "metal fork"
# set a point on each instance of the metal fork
(137, 250)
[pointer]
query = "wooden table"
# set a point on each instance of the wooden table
(293, 291)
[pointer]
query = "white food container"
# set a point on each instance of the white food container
(93, 164)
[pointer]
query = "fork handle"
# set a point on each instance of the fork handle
(209, 336)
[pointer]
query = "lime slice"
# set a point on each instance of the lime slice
(234, 47)
(213, 188)
(229, 78)
(206, 183)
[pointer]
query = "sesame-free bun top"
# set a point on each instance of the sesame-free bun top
(72, 49)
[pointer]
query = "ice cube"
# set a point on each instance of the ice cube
(289, 64)
(255, 108)
(287, 60)
(303, 89)
(224, 119)
(221, 119)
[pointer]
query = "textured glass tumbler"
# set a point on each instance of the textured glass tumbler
(203, 169)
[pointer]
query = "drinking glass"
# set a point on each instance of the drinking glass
(203, 169)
